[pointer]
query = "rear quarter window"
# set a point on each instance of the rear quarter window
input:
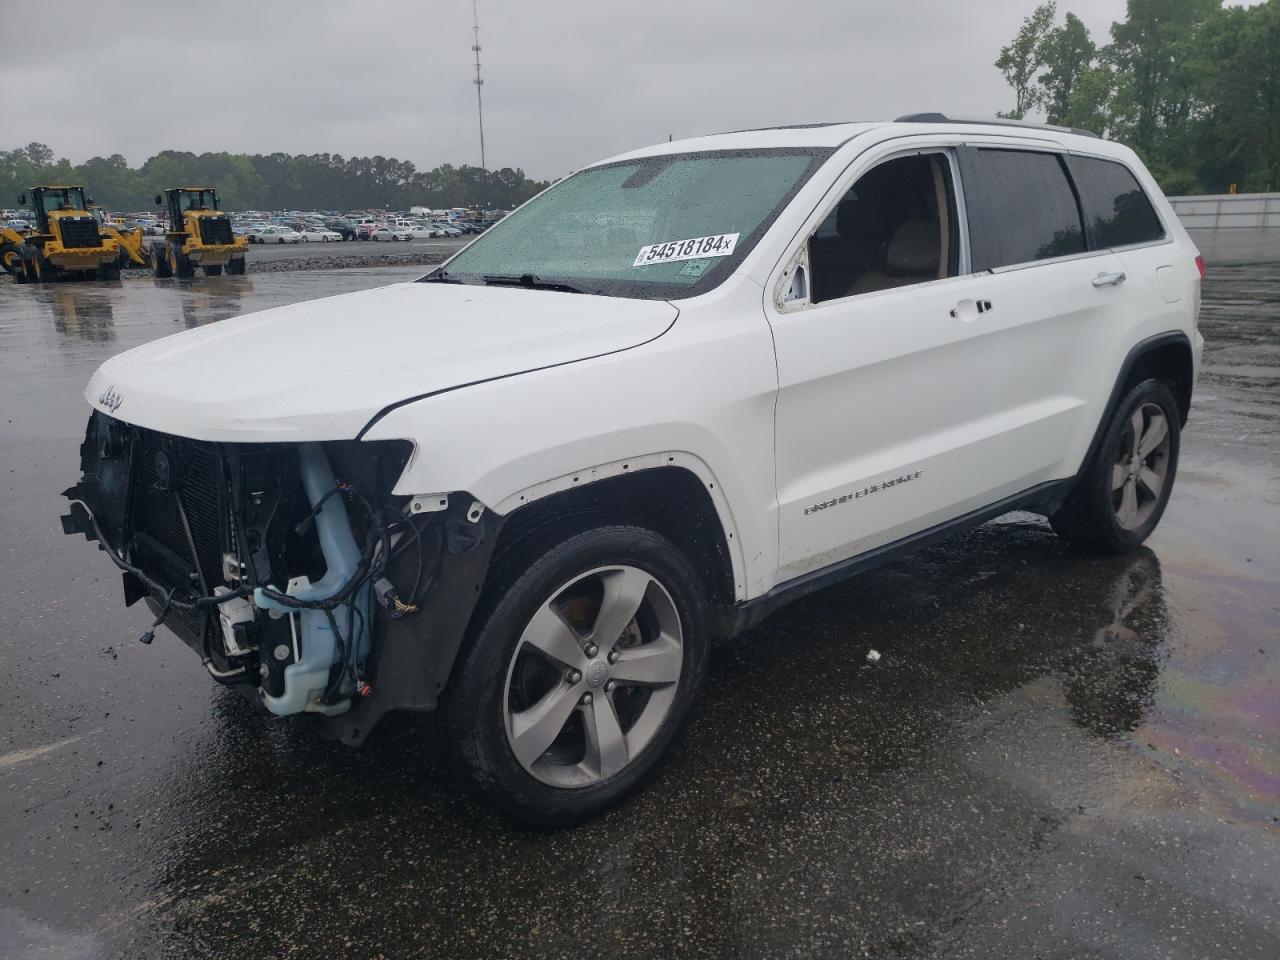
(1020, 207)
(1116, 208)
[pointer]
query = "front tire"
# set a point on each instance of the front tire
(582, 669)
(41, 270)
(159, 263)
(180, 264)
(1123, 491)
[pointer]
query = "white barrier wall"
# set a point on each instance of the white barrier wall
(1233, 228)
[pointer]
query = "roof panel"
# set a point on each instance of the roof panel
(836, 134)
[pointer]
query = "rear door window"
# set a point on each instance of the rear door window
(1116, 208)
(1020, 206)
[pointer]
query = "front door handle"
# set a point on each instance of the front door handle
(1109, 279)
(968, 309)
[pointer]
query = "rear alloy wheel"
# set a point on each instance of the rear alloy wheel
(1122, 493)
(1141, 467)
(598, 649)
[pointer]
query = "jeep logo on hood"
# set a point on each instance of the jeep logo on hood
(111, 399)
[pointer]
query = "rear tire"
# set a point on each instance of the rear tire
(109, 271)
(1123, 491)
(11, 258)
(585, 656)
(236, 268)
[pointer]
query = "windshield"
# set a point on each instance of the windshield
(72, 198)
(198, 200)
(659, 228)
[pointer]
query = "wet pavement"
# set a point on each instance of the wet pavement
(1057, 756)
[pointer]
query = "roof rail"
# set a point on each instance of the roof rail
(997, 122)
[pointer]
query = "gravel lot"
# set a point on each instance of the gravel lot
(1058, 756)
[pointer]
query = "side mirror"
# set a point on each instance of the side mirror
(89, 201)
(159, 199)
(22, 199)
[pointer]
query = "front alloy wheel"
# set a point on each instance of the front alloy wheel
(581, 669)
(593, 676)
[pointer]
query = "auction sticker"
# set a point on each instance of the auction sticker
(720, 245)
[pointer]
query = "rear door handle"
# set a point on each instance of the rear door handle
(1108, 279)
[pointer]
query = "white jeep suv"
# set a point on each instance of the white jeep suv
(676, 390)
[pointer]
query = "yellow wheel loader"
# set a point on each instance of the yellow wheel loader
(199, 235)
(65, 241)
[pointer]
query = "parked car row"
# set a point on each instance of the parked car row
(390, 229)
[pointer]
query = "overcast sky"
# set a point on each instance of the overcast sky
(566, 81)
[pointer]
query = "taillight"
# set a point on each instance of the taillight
(1200, 265)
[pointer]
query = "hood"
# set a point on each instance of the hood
(321, 370)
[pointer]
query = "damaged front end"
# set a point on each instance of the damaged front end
(289, 568)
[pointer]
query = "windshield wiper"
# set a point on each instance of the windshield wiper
(439, 276)
(530, 280)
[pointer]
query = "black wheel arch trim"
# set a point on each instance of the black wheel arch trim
(1136, 352)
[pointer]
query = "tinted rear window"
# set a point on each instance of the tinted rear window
(1115, 206)
(1020, 207)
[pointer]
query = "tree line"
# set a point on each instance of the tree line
(277, 181)
(1191, 85)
